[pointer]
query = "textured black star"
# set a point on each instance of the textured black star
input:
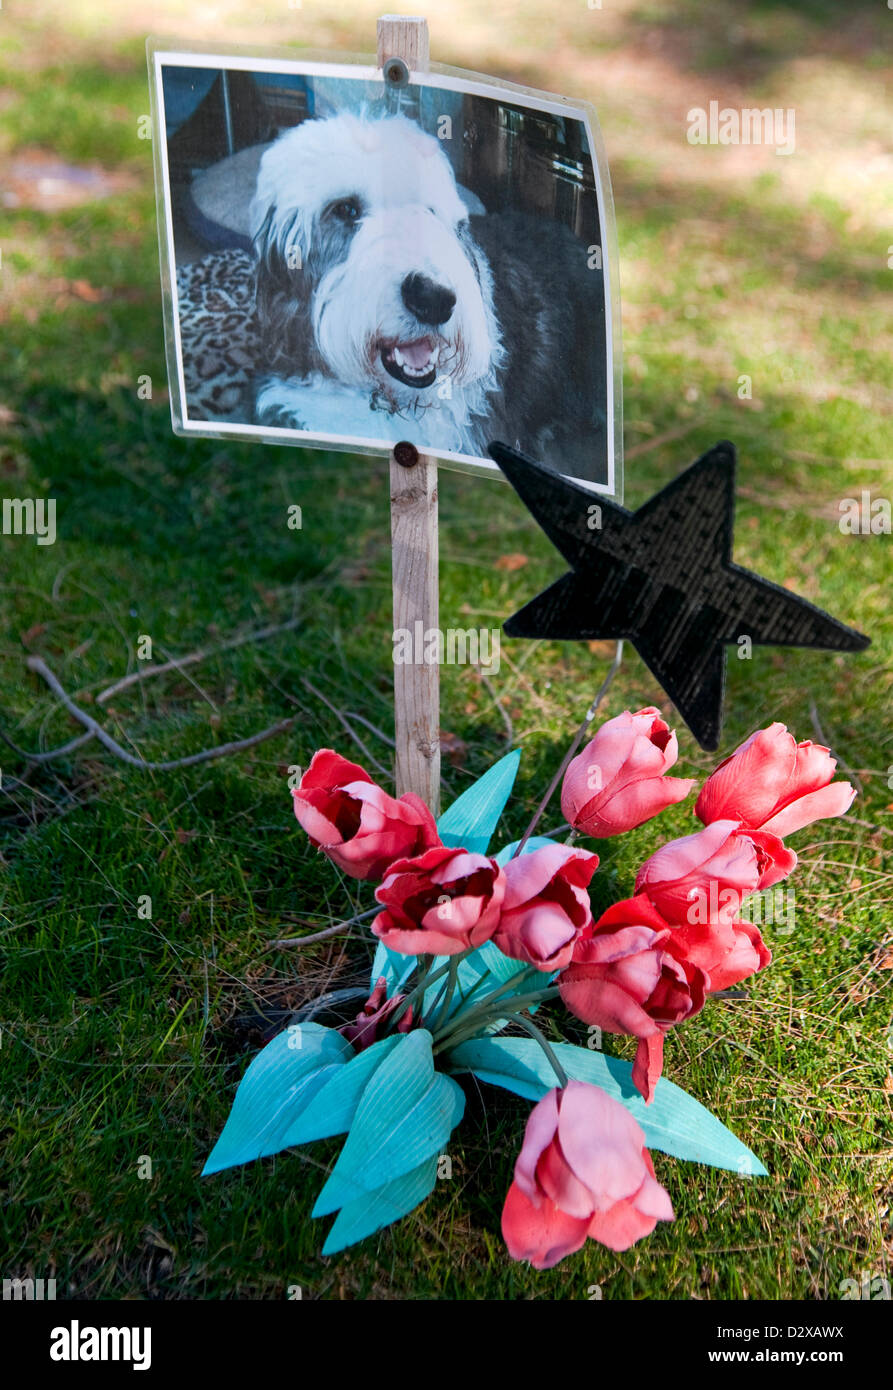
(662, 577)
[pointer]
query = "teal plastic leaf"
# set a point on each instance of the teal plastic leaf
(473, 816)
(368, 1214)
(674, 1122)
(332, 1109)
(406, 1113)
(280, 1082)
(395, 967)
(535, 842)
(488, 958)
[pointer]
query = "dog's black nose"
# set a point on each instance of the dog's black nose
(431, 303)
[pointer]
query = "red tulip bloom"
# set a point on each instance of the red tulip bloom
(727, 952)
(626, 976)
(440, 903)
(354, 822)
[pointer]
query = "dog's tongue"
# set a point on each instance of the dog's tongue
(417, 352)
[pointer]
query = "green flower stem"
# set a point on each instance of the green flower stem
(523, 1001)
(478, 984)
(441, 1007)
(578, 739)
(468, 1025)
(538, 1037)
(481, 1011)
(424, 982)
(424, 966)
(506, 987)
(422, 976)
(509, 984)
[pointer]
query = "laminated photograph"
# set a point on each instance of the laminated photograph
(353, 259)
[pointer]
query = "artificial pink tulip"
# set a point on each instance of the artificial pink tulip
(774, 860)
(546, 905)
(727, 952)
(440, 903)
(583, 1173)
(618, 782)
(354, 822)
(625, 976)
(713, 869)
(775, 784)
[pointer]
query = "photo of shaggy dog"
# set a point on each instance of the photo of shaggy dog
(385, 309)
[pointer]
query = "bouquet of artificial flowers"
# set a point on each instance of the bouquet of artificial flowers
(471, 945)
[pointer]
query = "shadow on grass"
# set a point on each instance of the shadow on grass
(760, 231)
(122, 480)
(751, 43)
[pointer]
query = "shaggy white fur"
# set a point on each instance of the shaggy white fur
(372, 294)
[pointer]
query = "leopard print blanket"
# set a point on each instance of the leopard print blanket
(219, 334)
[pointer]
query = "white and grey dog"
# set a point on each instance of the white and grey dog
(377, 292)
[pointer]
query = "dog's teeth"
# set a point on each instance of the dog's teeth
(435, 355)
(398, 357)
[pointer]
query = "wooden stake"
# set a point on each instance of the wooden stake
(414, 549)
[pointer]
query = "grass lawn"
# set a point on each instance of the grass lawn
(123, 1036)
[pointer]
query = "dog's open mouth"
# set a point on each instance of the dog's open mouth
(414, 362)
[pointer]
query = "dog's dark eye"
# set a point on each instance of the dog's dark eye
(346, 210)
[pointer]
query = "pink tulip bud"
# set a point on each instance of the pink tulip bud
(583, 1173)
(546, 905)
(717, 864)
(369, 1024)
(618, 781)
(774, 784)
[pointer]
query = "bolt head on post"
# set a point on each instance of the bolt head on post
(406, 454)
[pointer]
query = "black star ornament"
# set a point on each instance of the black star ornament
(663, 578)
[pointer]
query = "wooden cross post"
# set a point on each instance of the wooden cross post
(414, 539)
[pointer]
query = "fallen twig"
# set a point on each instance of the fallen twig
(668, 437)
(50, 753)
(329, 931)
(373, 728)
(506, 717)
(177, 663)
(38, 665)
(346, 725)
